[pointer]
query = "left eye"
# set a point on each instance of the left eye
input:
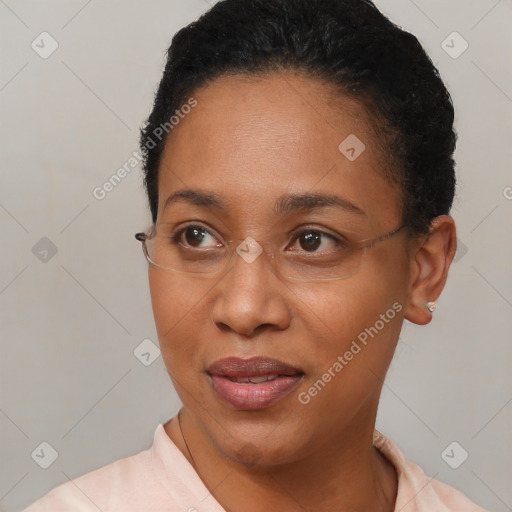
(310, 240)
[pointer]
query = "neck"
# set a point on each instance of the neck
(345, 473)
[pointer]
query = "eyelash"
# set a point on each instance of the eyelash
(342, 242)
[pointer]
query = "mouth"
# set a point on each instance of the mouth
(253, 383)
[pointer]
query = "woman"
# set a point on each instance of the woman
(298, 164)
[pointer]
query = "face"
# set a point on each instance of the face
(250, 142)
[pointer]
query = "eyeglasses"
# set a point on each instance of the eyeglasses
(169, 252)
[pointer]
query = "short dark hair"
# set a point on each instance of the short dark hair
(351, 46)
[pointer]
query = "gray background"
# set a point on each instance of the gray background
(70, 322)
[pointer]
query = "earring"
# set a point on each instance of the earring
(431, 306)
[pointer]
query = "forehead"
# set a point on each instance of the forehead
(253, 139)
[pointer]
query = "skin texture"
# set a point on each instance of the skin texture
(249, 140)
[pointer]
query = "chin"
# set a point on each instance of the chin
(260, 445)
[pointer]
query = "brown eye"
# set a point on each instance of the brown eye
(195, 236)
(310, 240)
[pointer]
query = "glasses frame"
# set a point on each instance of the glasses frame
(367, 243)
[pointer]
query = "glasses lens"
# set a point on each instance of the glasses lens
(340, 264)
(169, 254)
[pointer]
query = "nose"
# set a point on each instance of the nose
(250, 296)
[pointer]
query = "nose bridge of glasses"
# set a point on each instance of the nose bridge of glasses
(251, 252)
(249, 249)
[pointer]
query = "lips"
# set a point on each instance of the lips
(254, 380)
(253, 383)
(236, 367)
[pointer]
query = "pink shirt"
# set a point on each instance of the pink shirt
(161, 479)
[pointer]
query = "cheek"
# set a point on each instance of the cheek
(342, 309)
(359, 328)
(358, 319)
(176, 306)
(165, 302)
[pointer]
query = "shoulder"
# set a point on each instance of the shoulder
(158, 479)
(416, 491)
(434, 494)
(102, 488)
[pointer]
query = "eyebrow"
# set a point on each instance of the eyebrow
(285, 204)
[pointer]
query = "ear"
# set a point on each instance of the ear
(431, 257)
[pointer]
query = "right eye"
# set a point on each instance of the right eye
(194, 236)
